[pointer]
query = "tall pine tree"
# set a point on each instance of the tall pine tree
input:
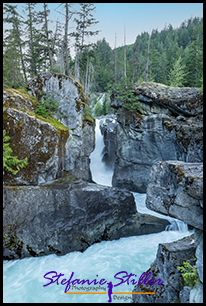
(11, 16)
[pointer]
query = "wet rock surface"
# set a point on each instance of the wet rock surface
(69, 215)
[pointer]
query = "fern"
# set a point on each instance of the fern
(8, 159)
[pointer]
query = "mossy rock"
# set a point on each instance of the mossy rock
(42, 142)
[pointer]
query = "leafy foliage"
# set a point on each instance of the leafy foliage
(189, 274)
(8, 159)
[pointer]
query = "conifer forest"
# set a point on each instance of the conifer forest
(173, 56)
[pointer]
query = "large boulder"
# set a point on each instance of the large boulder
(155, 97)
(176, 190)
(185, 101)
(69, 215)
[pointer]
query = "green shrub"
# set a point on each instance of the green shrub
(47, 106)
(189, 274)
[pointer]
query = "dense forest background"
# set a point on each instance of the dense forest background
(172, 56)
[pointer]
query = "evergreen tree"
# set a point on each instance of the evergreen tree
(12, 17)
(177, 74)
(32, 54)
(47, 51)
(12, 75)
(194, 56)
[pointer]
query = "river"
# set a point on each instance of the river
(23, 279)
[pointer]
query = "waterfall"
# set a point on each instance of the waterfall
(23, 279)
(177, 225)
(100, 173)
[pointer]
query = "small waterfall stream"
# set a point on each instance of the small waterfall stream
(23, 279)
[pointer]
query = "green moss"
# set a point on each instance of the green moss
(21, 93)
(54, 122)
(78, 104)
(87, 115)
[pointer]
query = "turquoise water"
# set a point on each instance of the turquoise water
(23, 279)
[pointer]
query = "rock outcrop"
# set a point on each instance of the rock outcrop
(52, 145)
(169, 126)
(156, 97)
(42, 142)
(176, 189)
(69, 215)
(169, 257)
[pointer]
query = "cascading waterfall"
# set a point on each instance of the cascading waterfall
(23, 279)
(100, 173)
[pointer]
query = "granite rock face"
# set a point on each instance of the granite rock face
(70, 96)
(169, 257)
(139, 141)
(176, 190)
(69, 215)
(169, 126)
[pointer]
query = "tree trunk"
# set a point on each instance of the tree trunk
(47, 35)
(33, 64)
(66, 57)
(21, 53)
(125, 72)
(148, 61)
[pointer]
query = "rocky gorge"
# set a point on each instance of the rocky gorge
(53, 206)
